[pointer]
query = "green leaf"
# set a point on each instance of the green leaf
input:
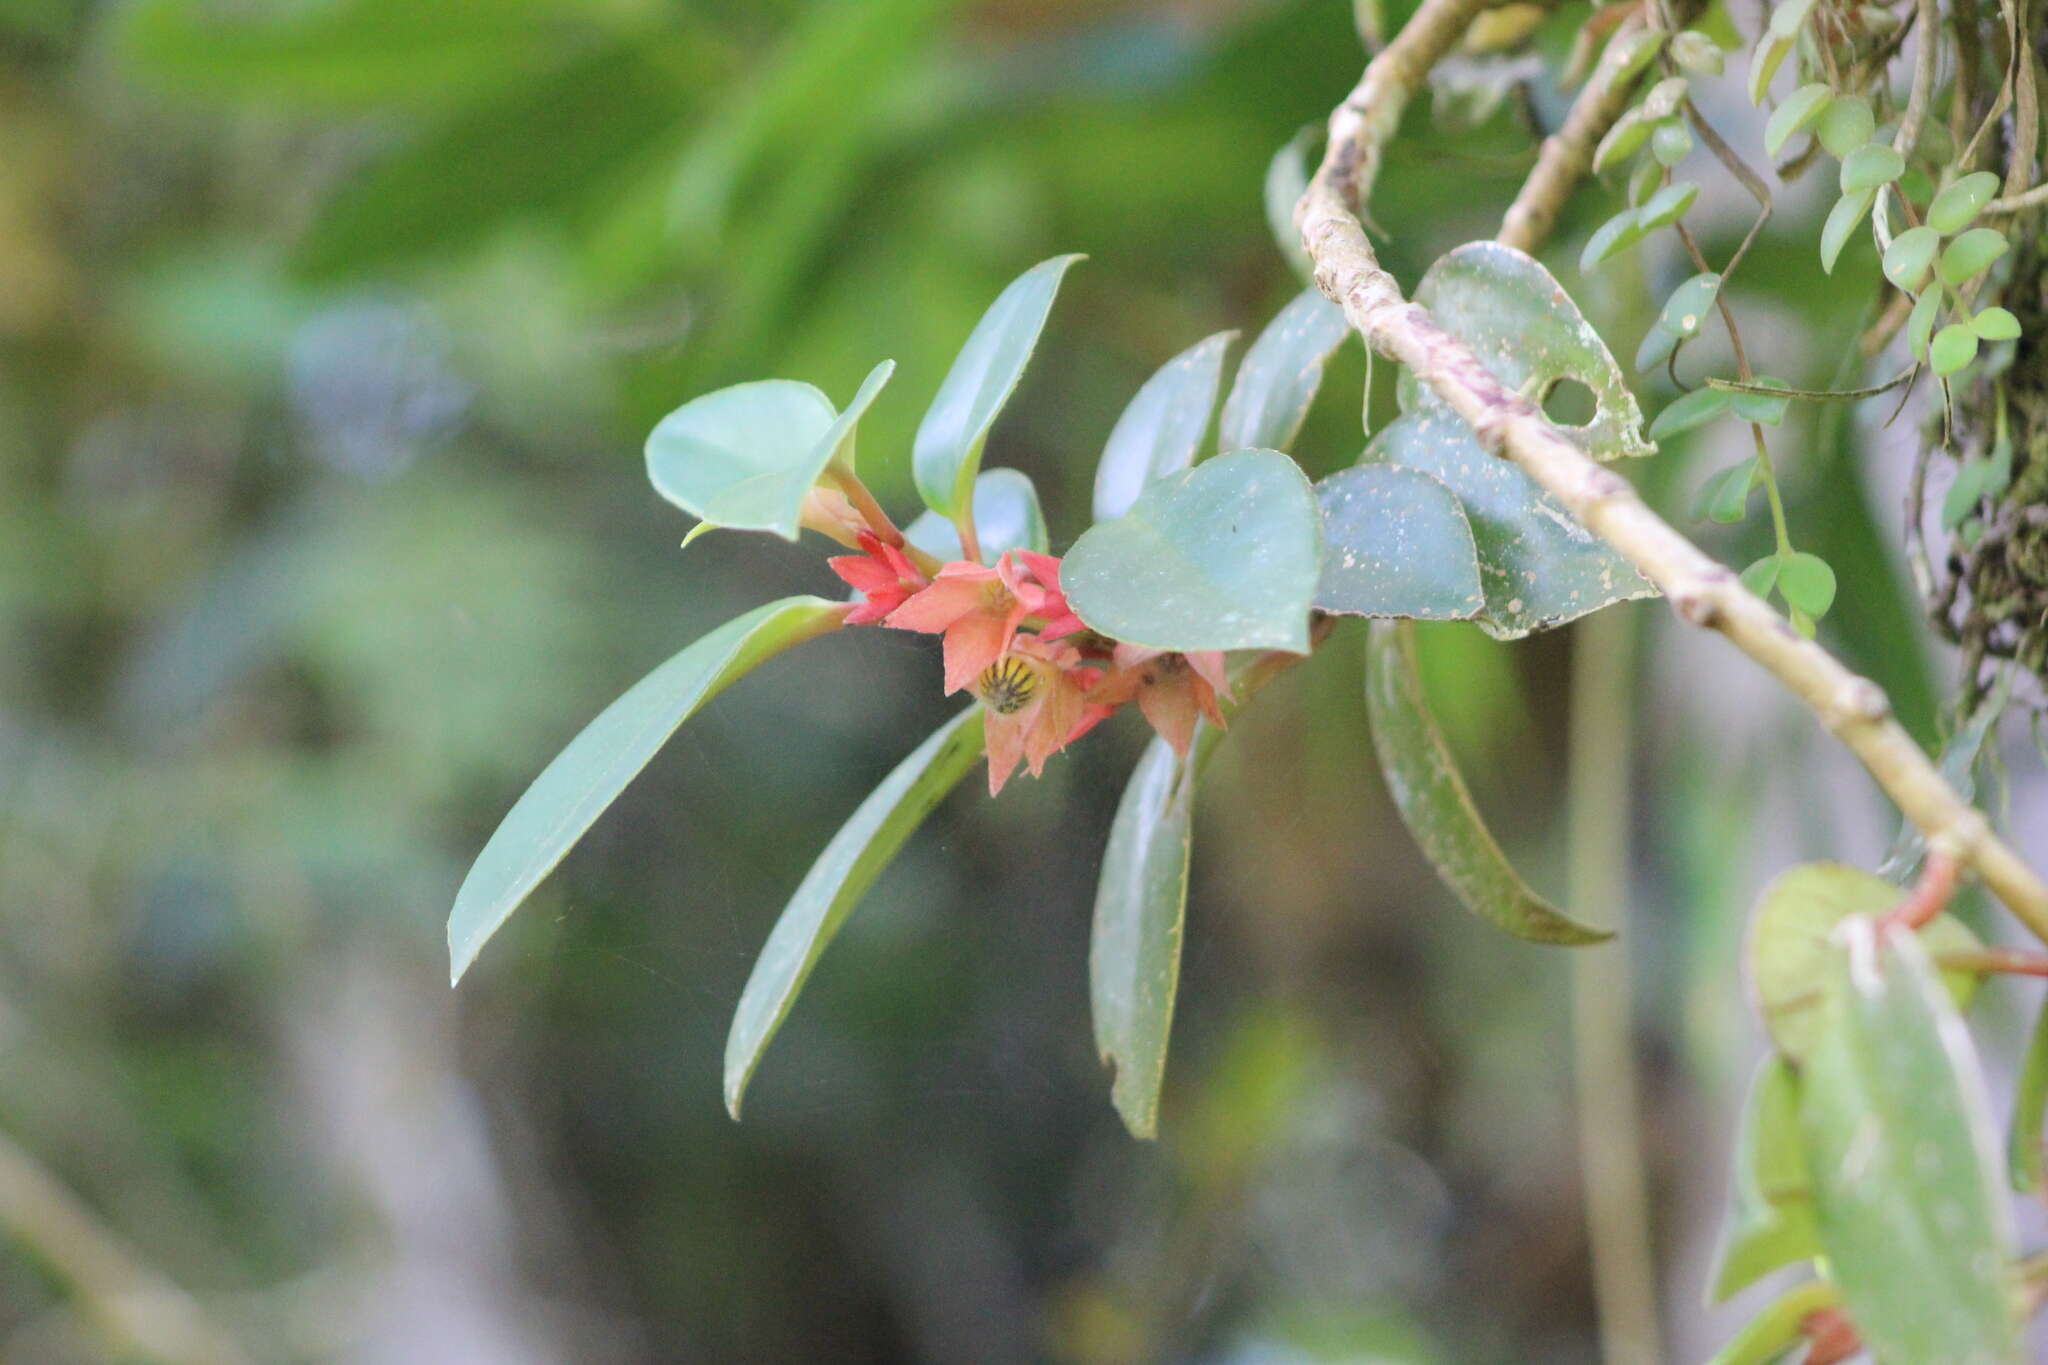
(1690, 410)
(1396, 543)
(1696, 52)
(1995, 324)
(1964, 257)
(1798, 112)
(1625, 138)
(1140, 910)
(1869, 166)
(1630, 54)
(1006, 517)
(1760, 407)
(1611, 238)
(1539, 566)
(574, 789)
(1910, 257)
(947, 453)
(1920, 327)
(1969, 489)
(2024, 1154)
(1899, 1141)
(1658, 344)
(1807, 582)
(1762, 576)
(1764, 60)
(1791, 945)
(1769, 1223)
(1771, 1335)
(1846, 125)
(1424, 783)
(1224, 556)
(1162, 429)
(1954, 347)
(745, 457)
(1686, 310)
(1644, 181)
(1281, 371)
(1667, 205)
(1725, 497)
(1671, 143)
(1958, 205)
(842, 874)
(1286, 181)
(1788, 16)
(1843, 220)
(537, 147)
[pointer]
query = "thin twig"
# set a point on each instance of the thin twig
(1567, 154)
(1703, 592)
(1924, 67)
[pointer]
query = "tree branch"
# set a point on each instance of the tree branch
(1567, 154)
(1702, 591)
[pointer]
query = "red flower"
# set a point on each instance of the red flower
(977, 609)
(883, 575)
(1173, 690)
(1036, 696)
(1060, 620)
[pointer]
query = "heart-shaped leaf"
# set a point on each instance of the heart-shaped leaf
(746, 456)
(1769, 1223)
(1791, 944)
(1006, 517)
(574, 789)
(1225, 556)
(1396, 543)
(1280, 374)
(1540, 568)
(1140, 909)
(947, 453)
(1900, 1146)
(1424, 782)
(1162, 429)
(842, 874)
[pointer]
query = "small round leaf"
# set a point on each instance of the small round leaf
(1954, 208)
(1869, 166)
(1807, 582)
(1667, 205)
(1970, 253)
(1843, 219)
(1954, 347)
(1686, 310)
(1799, 111)
(1995, 324)
(1910, 257)
(1845, 126)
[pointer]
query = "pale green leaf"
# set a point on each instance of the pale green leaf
(1396, 543)
(1954, 347)
(1807, 582)
(1161, 430)
(1845, 125)
(1995, 324)
(1771, 1336)
(1280, 373)
(1869, 166)
(1769, 1223)
(1799, 110)
(1687, 308)
(1690, 410)
(1286, 181)
(1843, 220)
(1006, 517)
(1967, 255)
(1959, 204)
(1910, 256)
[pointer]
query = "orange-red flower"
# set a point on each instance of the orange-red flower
(1060, 620)
(883, 575)
(977, 609)
(1036, 697)
(1173, 690)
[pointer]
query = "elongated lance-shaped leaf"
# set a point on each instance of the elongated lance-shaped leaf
(1140, 910)
(864, 846)
(1772, 1334)
(1769, 1223)
(2023, 1151)
(947, 453)
(1280, 374)
(1162, 428)
(1286, 182)
(574, 789)
(1224, 556)
(1899, 1143)
(1427, 789)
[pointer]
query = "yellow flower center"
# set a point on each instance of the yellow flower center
(1007, 685)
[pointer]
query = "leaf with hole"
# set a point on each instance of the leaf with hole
(946, 455)
(1842, 222)
(1796, 113)
(1910, 256)
(1280, 373)
(1791, 945)
(837, 880)
(1899, 1142)
(1224, 556)
(1134, 949)
(1161, 430)
(1968, 255)
(1769, 1222)
(746, 457)
(1958, 205)
(1006, 517)
(588, 775)
(1396, 543)
(1426, 787)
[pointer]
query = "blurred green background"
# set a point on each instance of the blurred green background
(329, 334)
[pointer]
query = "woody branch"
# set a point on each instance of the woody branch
(1704, 592)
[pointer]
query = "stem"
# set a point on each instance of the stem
(1567, 155)
(1603, 1015)
(1704, 593)
(849, 483)
(1930, 895)
(1995, 961)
